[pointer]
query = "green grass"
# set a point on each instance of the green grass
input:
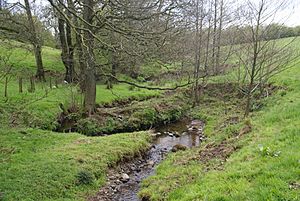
(254, 172)
(42, 165)
(23, 61)
(41, 108)
(122, 91)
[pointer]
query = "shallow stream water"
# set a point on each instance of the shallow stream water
(185, 133)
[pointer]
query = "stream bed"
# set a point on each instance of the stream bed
(124, 181)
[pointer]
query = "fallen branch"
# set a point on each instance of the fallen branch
(153, 88)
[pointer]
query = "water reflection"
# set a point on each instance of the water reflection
(186, 138)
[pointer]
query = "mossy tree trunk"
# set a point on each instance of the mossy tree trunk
(36, 42)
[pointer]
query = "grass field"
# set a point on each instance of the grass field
(265, 167)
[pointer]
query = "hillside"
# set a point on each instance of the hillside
(21, 58)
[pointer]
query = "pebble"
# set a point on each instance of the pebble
(176, 134)
(124, 177)
(150, 163)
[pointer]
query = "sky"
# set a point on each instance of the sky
(291, 14)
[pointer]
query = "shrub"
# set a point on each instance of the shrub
(84, 177)
(87, 126)
(131, 88)
(141, 79)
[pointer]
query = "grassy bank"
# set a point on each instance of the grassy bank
(42, 165)
(39, 164)
(128, 116)
(41, 108)
(20, 56)
(264, 166)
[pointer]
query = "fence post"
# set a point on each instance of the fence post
(20, 85)
(56, 82)
(32, 84)
(5, 87)
(50, 82)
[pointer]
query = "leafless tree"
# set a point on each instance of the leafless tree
(259, 56)
(96, 20)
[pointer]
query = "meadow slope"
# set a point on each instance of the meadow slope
(264, 166)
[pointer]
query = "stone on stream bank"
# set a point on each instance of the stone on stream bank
(178, 147)
(124, 177)
(196, 125)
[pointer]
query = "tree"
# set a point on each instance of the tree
(23, 27)
(198, 41)
(65, 36)
(261, 57)
(36, 43)
(96, 23)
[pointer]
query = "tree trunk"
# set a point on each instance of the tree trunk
(65, 37)
(113, 60)
(256, 41)
(219, 38)
(198, 38)
(248, 101)
(82, 64)
(114, 65)
(40, 74)
(215, 36)
(71, 72)
(206, 62)
(63, 44)
(78, 38)
(90, 79)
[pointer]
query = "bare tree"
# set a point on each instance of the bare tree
(198, 39)
(259, 56)
(95, 21)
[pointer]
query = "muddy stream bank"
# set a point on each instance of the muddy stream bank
(124, 181)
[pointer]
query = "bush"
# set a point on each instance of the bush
(87, 126)
(84, 177)
(131, 88)
(110, 125)
(141, 79)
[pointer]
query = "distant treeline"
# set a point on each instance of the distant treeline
(269, 32)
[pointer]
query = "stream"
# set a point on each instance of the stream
(124, 181)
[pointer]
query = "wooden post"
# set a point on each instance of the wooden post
(50, 82)
(20, 85)
(5, 87)
(32, 84)
(56, 83)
